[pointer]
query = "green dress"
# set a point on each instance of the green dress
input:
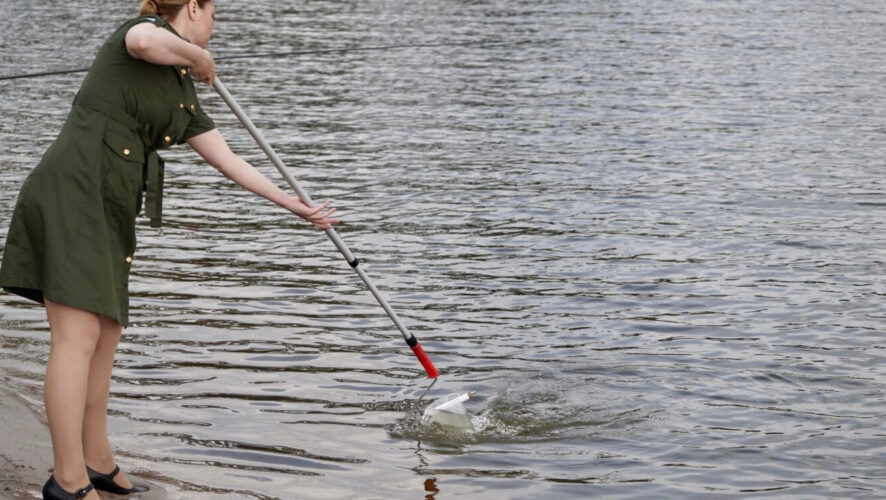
(72, 235)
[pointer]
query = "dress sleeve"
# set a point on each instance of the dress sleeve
(200, 123)
(124, 28)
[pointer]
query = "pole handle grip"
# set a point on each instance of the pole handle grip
(424, 360)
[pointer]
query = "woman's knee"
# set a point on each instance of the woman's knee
(109, 327)
(74, 330)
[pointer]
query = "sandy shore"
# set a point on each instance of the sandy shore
(25, 449)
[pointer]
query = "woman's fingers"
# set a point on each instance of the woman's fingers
(316, 208)
(208, 77)
(318, 211)
(324, 220)
(204, 70)
(323, 215)
(319, 215)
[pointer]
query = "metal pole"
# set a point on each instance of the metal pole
(349, 257)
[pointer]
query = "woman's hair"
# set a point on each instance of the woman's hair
(167, 9)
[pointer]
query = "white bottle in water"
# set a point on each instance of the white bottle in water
(448, 411)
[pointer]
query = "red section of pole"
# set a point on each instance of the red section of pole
(425, 360)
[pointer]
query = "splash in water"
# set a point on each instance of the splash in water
(538, 406)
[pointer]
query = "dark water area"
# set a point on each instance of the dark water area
(649, 235)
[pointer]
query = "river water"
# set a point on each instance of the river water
(649, 235)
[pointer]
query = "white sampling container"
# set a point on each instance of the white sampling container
(448, 411)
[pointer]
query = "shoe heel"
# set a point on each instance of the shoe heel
(54, 491)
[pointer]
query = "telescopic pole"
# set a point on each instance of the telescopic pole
(349, 257)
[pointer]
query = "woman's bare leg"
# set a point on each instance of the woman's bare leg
(74, 336)
(96, 447)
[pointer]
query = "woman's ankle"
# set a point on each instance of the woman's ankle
(99, 459)
(71, 479)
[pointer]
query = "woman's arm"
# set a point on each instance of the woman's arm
(213, 148)
(159, 46)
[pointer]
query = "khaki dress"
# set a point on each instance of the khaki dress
(72, 235)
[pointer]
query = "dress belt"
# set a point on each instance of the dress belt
(154, 164)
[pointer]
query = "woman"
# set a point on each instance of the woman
(72, 235)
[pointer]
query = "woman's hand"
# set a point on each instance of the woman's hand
(203, 68)
(318, 215)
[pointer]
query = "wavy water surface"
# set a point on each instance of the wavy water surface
(648, 235)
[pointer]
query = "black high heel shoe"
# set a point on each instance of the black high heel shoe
(105, 482)
(54, 491)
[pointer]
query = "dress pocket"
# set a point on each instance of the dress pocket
(123, 169)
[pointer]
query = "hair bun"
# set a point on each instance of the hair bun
(148, 7)
(167, 9)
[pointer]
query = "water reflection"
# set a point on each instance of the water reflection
(431, 488)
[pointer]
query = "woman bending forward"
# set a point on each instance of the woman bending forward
(72, 235)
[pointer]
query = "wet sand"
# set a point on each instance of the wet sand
(25, 450)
